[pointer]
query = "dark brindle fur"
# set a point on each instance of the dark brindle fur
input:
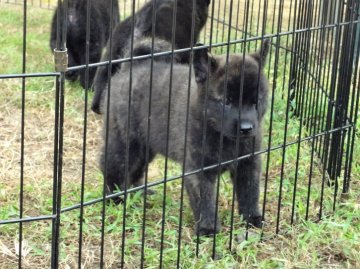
(121, 37)
(240, 122)
(100, 18)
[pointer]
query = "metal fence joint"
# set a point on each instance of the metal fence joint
(61, 60)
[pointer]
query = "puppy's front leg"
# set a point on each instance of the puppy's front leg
(201, 191)
(247, 189)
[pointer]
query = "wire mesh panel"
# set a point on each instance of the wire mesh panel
(47, 4)
(179, 168)
(337, 93)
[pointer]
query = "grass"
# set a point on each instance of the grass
(332, 242)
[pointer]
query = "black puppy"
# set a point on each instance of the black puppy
(218, 108)
(121, 37)
(76, 33)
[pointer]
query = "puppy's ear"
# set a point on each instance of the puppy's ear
(200, 63)
(260, 55)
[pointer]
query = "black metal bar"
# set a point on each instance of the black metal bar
(222, 121)
(55, 175)
(286, 55)
(223, 25)
(186, 134)
(204, 127)
(302, 54)
(167, 134)
(269, 142)
(30, 75)
(332, 117)
(233, 27)
(288, 106)
(304, 84)
(297, 56)
(301, 88)
(106, 144)
(343, 93)
(330, 11)
(329, 113)
(272, 31)
(354, 108)
(22, 141)
(236, 147)
(147, 153)
(327, 35)
(334, 79)
(127, 149)
(83, 166)
(58, 145)
(335, 147)
(27, 219)
(314, 124)
(250, 30)
(352, 8)
(276, 64)
(312, 107)
(217, 25)
(310, 103)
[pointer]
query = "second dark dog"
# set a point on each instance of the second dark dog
(217, 109)
(100, 15)
(121, 37)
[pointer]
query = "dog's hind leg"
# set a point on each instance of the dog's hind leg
(119, 167)
(140, 168)
(72, 74)
(112, 163)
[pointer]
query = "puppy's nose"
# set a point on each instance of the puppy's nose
(246, 127)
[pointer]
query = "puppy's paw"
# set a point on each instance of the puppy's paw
(71, 75)
(148, 192)
(255, 221)
(115, 200)
(207, 227)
